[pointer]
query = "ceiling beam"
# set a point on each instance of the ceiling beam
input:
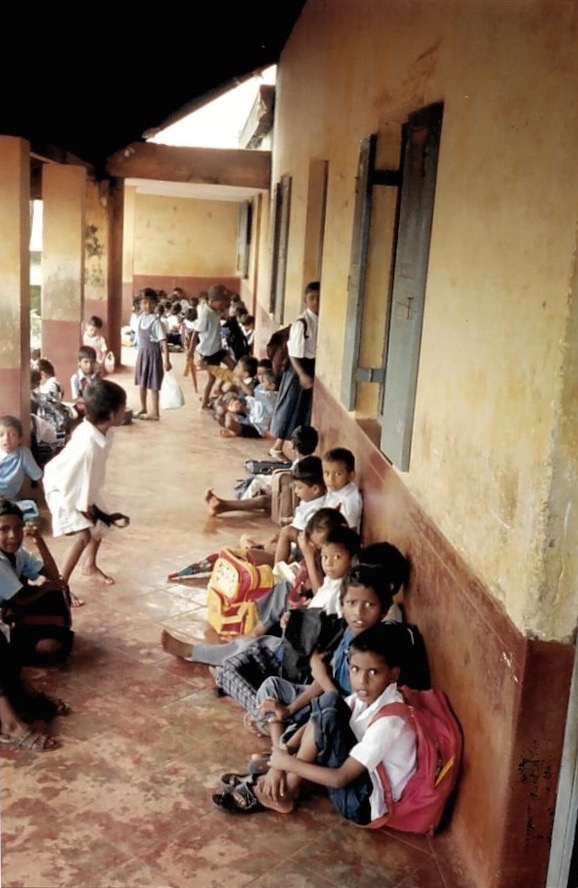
(212, 166)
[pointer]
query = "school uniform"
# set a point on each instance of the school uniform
(349, 502)
(150, 332)
(74, 478)
(293, 407)
(14, 467)
(305, 510)
(79, 382)
(210, 346)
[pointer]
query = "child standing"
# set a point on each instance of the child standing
(86, 372)
(210, 348)
(152, 358)
(342, 492)
(16, 460)
(93, 337)
(340, 748)
(74, 479)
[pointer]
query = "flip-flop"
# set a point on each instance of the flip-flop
(44, 707)
(140, 414)
(239, 799)
(30, 739)
(230, 779)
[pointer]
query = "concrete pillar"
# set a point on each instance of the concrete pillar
(128, 252)
(15, 279)
(64, 199)
(116, 315)
(96, 254)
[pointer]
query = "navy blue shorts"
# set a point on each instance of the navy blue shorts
(334, 739)
(216, 359)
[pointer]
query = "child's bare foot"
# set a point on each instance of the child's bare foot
(227, 433)
(75, 601)
(214, 503)
(284, 807)
(258, 630)
(173, 646)
(98, 575)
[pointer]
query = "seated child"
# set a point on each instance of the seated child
(49, 384)
(85, 373)
(241, 675)
(342, 492)
(339, 747)
(46, 604)
(274, 604)
(93, 337)
(310, 491)
(251, 417)
(257, 494)
(16, 460)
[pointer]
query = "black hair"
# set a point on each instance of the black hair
(269, 376)
(249, 362)
(46, 366)
(305, 440)
(373, 576)
(387, 640)
(102, 398)
(148, 293)
(344, 536)
(95, 321)
(312, 285)
(12, 422)
(265, 362)
(390, 559)
(86, 351)
(9, 508)
(325, 519)
(309, 469)
(340, 454)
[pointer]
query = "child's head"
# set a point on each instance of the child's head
(394, 565)
(262, 365)
(246, 366)
(307, 477)
(321, 522)
(268, 380)
(148, 300)
(248, 322)
(218, 297)
(46, 368)
(236, 405)
(312, 296)
(338, 550)
(376, 657)
(11, 432)
(304, 440)
(86, 359)
(11, 527)
(338, 468)
(366, 596)
(104, 402)
(94, 326)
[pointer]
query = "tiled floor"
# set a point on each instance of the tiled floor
(126, 800)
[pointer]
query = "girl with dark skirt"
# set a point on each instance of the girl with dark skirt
(152, 358)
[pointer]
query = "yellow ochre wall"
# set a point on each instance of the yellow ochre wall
(178, 236)
(494, 448)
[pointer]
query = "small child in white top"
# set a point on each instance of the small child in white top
(93, 337)
(310, 490)
(342, 492)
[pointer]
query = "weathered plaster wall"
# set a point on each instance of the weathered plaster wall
(493, 456)
(177, 237)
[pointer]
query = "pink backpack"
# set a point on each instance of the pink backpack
(438, 762)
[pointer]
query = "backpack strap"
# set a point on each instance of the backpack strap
(403, 711)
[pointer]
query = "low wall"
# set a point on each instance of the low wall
(510, 693)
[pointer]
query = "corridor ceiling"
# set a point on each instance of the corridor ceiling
(87, 81)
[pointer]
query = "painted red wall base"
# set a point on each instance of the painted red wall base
(509, 692)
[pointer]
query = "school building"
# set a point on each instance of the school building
(423, 167)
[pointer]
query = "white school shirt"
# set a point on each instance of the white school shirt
(77, 473)
(390, 741)
(301, 344)
(349, 502)
(327, 596)
(305, 510)
(209, 330)
(27, 565)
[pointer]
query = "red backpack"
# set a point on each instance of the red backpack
(438, 762)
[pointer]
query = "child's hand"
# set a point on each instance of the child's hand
(32, 530)
(284, 620)
(274, 784)
(319, 666)
(279, 760)
(277, 710)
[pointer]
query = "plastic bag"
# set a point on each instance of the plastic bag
(171, 394)
(109, 362)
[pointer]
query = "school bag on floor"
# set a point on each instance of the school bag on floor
(234, 586)
(438, 762)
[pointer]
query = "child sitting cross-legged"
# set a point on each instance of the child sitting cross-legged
(339, 747)
(249, 416)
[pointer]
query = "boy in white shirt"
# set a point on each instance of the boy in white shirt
(342, 492)
(339, 747)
